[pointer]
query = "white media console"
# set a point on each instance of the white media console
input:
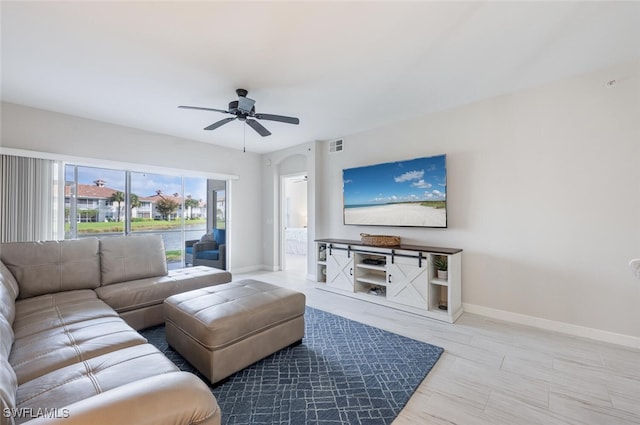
(402, 277)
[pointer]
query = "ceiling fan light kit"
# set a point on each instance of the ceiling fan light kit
(244, 110)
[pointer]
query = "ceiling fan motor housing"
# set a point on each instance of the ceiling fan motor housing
(235, 108)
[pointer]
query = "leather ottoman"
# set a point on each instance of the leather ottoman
(224, 328)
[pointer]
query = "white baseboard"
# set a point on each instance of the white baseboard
(552, 325)
(252, 269)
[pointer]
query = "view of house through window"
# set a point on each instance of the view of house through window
(104, 202)
(95, 197)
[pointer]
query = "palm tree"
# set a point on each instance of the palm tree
(119, 198)
(191, 204)
(134, 201)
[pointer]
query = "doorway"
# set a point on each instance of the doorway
(294, 224)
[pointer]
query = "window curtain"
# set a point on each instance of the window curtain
(28, 199)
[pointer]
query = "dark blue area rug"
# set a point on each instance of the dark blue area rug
(344, 372)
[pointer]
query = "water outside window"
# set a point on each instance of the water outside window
(163, 208)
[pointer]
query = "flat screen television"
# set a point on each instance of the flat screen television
(411, 193)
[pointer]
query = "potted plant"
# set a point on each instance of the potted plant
(441, 264)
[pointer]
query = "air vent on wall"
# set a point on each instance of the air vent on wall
(335, 146)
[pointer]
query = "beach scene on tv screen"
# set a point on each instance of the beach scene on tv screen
(403, 193)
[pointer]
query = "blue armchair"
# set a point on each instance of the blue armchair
(209, 250)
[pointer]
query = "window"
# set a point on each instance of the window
(103, 202)
(93, 201)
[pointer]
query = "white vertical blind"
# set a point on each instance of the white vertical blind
(27, 199)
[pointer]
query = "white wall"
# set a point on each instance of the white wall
(50, 132)
(543, 197)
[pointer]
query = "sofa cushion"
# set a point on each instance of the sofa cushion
(212, 254)
(82, 380)
(53, 266)
(137, 294)
(8, 382)
(169, 399)
(8, 294)
(6, 338)
(8, 388)
(48, 312)
(7, 279)
(37, 304)
(40, 353)
(125, 258)
(219, 235)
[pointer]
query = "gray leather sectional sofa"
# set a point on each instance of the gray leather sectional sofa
(69, 352)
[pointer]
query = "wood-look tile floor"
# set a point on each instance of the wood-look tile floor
(495, 372)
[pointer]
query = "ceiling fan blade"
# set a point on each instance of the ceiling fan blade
(258, 127)
(219, 123)
(280, 118)
(203, 109)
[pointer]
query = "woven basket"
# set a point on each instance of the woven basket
(379, 240)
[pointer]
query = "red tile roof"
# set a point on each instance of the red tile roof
(102, 192)
(90, 191)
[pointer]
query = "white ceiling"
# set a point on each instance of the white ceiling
(340, 67)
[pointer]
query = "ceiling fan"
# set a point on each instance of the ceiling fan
(244, 110)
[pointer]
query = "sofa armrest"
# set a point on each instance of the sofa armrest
(171, 398)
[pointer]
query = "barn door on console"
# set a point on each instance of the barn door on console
(340, 269)
(407, 282)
